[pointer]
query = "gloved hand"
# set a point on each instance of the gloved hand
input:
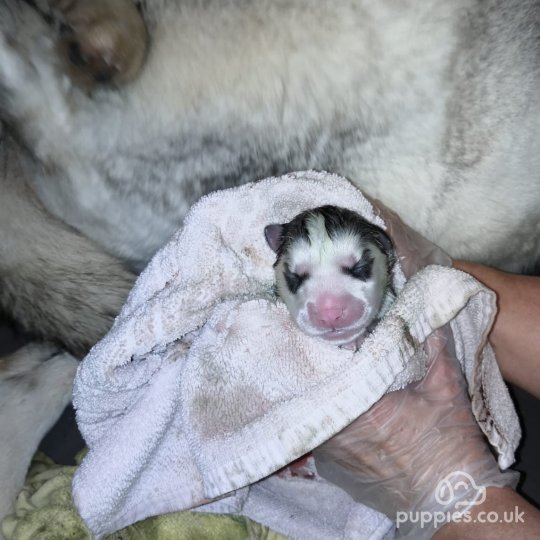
(418, 454)
(412, 249)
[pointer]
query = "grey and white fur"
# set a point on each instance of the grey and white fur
(333, 272)
(433, 107)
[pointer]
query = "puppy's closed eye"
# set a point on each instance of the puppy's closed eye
(294, 280)
(362, 270)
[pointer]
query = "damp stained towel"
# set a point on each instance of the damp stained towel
(204, 385)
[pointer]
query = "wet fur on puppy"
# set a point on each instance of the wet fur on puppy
(333, 271)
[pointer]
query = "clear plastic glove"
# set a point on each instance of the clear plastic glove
(418, 454)
(412, 249)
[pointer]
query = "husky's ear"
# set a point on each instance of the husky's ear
(273, 234)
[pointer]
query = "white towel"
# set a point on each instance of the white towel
(204, 384)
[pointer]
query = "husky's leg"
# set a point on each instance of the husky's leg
(36, 97)
(55, 282)
(35, 386)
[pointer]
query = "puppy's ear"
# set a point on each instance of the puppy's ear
(386, 245)
(384, 241)
(274, 236)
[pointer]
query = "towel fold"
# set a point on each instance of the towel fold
(204, 384)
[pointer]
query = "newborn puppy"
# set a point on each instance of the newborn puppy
(333, 273)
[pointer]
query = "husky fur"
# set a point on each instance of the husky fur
(431, 107)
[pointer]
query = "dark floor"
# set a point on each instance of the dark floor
(64, 440)
(528, 462)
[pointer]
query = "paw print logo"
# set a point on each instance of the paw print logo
(454, 485)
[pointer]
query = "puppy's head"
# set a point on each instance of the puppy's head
(332, 271)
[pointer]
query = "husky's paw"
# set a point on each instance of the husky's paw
(33, 356)
(35, 386)
(102, 42)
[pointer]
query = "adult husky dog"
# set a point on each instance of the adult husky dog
(432, 107)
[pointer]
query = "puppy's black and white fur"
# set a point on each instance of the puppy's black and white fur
(333, 271)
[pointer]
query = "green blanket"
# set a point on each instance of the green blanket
(44, 511)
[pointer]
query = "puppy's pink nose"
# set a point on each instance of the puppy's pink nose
(328, 317)
(335, 311)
